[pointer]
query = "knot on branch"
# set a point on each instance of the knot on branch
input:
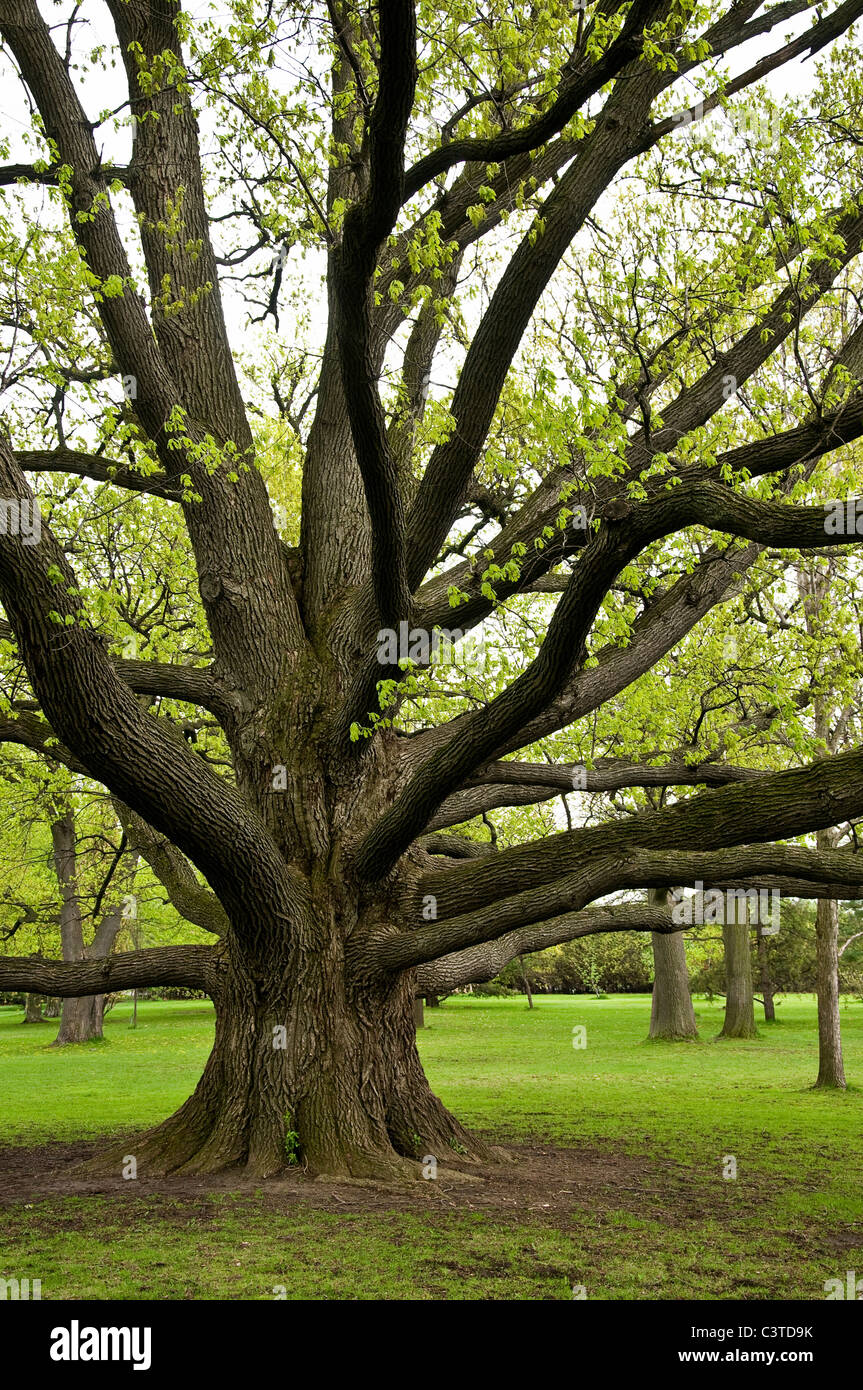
(210, 587)
(617, 509)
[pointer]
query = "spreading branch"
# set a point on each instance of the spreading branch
(581, 80)
(838, 874)
(619, 540)
(194, 967)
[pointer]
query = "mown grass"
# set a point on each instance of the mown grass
(793, 1217)
(87, 1248)
(133, 1078)
(514, 1071)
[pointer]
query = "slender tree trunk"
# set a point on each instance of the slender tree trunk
(526, 982)
(766, 982)
(831, 1067)
(81, 1019)
(739, 1019)
(33, 1008)
(419, 1013)
(672, 1016)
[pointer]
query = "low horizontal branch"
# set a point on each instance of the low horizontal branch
(477, 964)
(188, 966)
(28, 173)
(833, 874)
(800, 801)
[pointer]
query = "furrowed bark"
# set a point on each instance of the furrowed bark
(243, 578)
(334, 896)
(601, 868)
(366, 225)
(192, 966)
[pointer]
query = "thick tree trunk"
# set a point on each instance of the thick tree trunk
(739, 998)
(831, 1068)
(81, 1020)
(419, 1013)
(767, 990)
(322, 1073)
(672, 1016)
(33, 1008)
(53, 1007)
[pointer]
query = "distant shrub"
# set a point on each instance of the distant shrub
(172, 992)
(614, 963)
(496, 988)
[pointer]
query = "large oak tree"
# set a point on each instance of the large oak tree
(471, 166)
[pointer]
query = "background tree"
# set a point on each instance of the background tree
(739, 1019)
(81, 1019)
(765, 978)
(33, 1008)
(672, 1016)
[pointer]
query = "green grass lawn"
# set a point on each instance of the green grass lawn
(638, 1208)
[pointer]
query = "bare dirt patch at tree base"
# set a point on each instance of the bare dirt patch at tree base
(539, 1182)
(621, 1212)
